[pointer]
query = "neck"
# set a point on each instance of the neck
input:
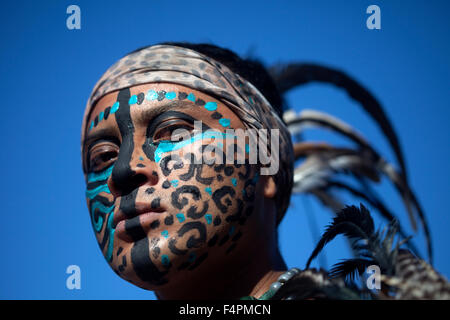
(253, 278)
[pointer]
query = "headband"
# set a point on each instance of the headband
(166, 63)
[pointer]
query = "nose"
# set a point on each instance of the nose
(130, 174)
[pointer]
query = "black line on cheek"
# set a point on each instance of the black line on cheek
(134, 228)
(128, 203)
(143, 265)
(106, 235)
(95, 184)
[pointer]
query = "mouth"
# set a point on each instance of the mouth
(140, 217)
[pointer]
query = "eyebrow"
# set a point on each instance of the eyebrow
(104, 133)
(142, 117)
(148, 114)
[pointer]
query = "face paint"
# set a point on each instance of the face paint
(201, 204)
(101, 209)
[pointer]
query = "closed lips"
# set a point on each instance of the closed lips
(140, 208)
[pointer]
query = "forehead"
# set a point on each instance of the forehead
(154, 97)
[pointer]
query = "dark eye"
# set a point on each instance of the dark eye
(172, 130)
(102, 155)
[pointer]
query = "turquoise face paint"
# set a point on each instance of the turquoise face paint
(114, 107)
(103, 175)
(96, 205)
(165, 260)
(211, 106)
(101, 115)
(165, 233)
(92, 193)
(231, 230)
(168, 146)
(100, 206)
(171, 95)
(133, 99)
(180, 217)
(234, 181)
(191, 97)
(152, 95)
(224, 122)
(209, 190)
(174, 183)
(208, 218)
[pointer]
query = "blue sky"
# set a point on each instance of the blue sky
(48, 71)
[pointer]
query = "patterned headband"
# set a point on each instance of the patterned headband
(165, 63)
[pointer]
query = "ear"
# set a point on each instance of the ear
(270, 189)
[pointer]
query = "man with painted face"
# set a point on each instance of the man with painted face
(165, 219)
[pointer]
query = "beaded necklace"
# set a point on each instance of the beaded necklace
(274, 287)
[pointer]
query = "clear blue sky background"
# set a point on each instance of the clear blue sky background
(48, 71)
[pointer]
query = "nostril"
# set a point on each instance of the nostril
(139, 179)
(126, 186)
(133, 183)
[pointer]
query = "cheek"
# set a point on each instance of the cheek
(210, 202)
(101, 208)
